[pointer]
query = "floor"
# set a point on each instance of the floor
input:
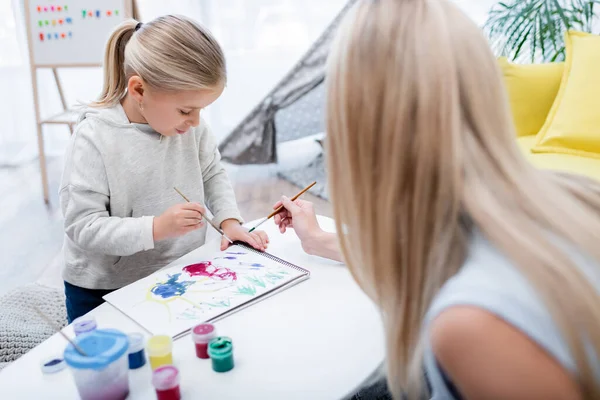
(31, 231)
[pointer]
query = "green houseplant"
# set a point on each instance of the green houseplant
(533, 30)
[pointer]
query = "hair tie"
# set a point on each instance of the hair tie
(138, 26)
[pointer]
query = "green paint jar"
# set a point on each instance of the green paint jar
(220, 350)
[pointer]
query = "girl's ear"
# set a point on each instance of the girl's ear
(135, 87)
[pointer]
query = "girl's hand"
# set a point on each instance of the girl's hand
(178, 220)
(232, 228)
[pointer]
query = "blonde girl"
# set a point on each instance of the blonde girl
(140, 139)
(486, 270)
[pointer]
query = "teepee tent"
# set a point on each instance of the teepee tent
(292, 110)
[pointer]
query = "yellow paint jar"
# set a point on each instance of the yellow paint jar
(160, 351)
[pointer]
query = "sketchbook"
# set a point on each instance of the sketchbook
(173, 300)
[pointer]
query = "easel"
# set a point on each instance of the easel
(66, 117)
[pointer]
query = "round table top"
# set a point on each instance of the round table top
(318, 339)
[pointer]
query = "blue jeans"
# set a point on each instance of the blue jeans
(80, 300)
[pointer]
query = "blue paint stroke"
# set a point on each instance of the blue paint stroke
(226, 258)
(255, 265)
(171, 287)
(238, 253)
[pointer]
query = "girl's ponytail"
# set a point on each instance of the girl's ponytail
(169, 53)
(115, 78)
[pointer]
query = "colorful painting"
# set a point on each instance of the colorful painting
(173, 300)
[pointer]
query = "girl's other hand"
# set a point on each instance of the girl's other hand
(232, 228)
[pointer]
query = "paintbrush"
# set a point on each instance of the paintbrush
(57, 328)
(281, 206)
(206, 218)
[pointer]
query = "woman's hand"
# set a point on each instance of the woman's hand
(299, 215)
(235, 231)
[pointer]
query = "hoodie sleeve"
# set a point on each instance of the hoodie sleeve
(219, 194)
(84, 201)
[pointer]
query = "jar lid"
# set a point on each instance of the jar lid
(165, 377)
(136, 342)
(84, 324)
(203, 333)
(220, 346)
(52, 365)
(159, 345)
(101, 346)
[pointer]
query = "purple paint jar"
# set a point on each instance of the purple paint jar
(84, 325)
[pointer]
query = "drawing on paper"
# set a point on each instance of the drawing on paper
(171, 287)
(196, 292)
(207, 269)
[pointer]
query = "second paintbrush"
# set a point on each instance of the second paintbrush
(280, 208)
(206, 218)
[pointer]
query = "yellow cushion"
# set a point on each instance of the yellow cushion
(531, 92)
(573, 123)
(586, 166)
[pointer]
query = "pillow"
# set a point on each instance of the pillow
(573, 123)
(531, 93)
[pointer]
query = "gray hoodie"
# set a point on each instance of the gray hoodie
(117, 177)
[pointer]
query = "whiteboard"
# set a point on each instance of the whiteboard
(72, 32)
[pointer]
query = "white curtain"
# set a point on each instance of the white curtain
(262, 39)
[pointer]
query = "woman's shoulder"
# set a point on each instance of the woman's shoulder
(493, 288)
(490, 278)
(488, 329)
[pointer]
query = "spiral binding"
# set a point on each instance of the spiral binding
(272, 257)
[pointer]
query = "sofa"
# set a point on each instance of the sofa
(555, 107)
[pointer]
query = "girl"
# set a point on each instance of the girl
(143, 137)
(486, 270)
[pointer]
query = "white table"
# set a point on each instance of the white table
(316, 340)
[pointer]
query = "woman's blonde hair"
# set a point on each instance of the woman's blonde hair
(169, 53)
(421, 150)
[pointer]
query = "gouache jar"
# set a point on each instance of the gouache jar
(165, 380)
(83, 325)
(103, 372)
(220, 350)
(160, 351)
(137, 355)
(201, 335)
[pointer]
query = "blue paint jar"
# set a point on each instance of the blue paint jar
(137, 356)
(101, 373)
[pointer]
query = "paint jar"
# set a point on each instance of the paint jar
(165, 380)
(201, 335)
(220, 350)
(137, 355)
(84, 325)
(160, 351)
(102, 373)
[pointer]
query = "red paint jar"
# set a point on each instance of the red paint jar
(201, 335)
(165, 380)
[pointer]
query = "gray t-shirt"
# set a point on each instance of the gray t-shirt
(117, 177)
(490, 281)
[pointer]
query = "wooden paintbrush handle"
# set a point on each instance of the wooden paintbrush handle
(293, 198)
